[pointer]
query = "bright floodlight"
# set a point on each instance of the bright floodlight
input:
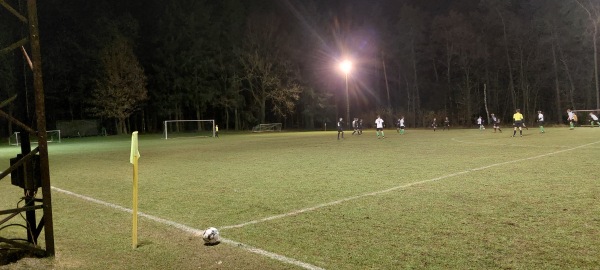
(346, 66)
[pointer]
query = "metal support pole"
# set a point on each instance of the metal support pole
(347, 103)
(40, 109)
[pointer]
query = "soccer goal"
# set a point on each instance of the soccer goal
(267, 127)
(585, 119)
(189, 128)
(51, 136)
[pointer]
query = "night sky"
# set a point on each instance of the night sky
(247, 62)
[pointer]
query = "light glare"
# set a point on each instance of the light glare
(346, 66)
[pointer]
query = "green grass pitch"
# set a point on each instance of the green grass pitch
(459, 199)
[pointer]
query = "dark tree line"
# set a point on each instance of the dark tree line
(134, 64)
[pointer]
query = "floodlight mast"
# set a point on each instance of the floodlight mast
(346, 67)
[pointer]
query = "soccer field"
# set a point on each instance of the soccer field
(459, 199)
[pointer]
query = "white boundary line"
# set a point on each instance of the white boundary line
(194, 231)
(507, 144)
(296, 212)
(457, 139)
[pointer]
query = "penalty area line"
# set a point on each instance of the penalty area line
(309, 209)
(194, 231)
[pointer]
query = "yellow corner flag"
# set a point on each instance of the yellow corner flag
(133, 159)
(135, 153)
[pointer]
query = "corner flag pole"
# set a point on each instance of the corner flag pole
(133, 159)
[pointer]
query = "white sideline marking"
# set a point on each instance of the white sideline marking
(194, 231)
(509, 144)
(398, 187)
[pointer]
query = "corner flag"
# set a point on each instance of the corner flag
(134, 147)
(133, 159)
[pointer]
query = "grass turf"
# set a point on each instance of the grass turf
(457, 199)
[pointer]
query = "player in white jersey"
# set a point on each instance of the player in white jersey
(379, 127)
(594, 119)
(540, 119)
(571, 118)
(401, 125)
(480, 123)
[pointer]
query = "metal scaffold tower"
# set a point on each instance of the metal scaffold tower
(29, 170)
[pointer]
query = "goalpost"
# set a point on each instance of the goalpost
(588, 111)
(51, 136)
(189, 128)
(586, 119)
(267, 127)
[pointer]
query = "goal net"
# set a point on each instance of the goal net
(79, 128)
(189, 128)
(51, 136)
(584, 118)
(267, 127)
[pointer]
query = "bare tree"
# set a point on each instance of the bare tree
(593, 12)
(462, 51)
(511, 83)
(409, 32)
(269, 75)
(441, 34)
(122, 88)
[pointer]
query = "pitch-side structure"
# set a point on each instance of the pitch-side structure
(29, 170)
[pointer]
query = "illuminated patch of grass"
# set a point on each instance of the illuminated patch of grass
(458, 199)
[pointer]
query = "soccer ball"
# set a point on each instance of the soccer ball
(211, 235)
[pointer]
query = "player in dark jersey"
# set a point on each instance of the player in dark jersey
(340, 128)
(496, 123)
(446, 124)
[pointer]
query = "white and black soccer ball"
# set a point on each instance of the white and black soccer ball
(211, 236)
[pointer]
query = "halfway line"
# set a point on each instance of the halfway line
(397, 188)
